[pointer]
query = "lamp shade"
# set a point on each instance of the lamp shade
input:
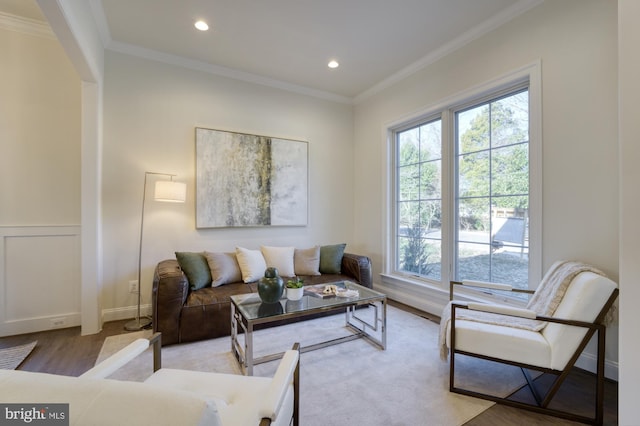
(170, 191)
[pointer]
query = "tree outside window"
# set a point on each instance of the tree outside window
(419, 208)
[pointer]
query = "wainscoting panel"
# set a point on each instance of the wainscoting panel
(39, 278)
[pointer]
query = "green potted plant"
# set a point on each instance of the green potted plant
(295, 288)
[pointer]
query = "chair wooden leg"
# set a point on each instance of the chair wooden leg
(532, 386)
(600, 378)
(156, 341)
(296, 390)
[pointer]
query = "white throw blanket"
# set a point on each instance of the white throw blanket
(544, 302)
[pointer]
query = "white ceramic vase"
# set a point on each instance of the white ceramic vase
(295, 293)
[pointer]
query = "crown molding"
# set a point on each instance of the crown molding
(26, 26)
(97, 10)
(196, 65)
(498, 20)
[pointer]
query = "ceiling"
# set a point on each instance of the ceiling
(288, 43)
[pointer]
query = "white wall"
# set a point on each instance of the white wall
(576, 42)
(150, 114)
(39, 184)
(629, 92)
(40, 133)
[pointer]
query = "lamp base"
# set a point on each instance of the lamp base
(138, 324)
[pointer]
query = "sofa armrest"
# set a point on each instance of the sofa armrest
(170, 290)
(358, 267)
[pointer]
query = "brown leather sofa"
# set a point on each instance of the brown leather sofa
(182, 315)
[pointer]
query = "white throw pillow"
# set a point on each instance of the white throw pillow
(252, 264)
(280, 258)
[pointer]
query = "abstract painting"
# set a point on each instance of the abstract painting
(250, 180)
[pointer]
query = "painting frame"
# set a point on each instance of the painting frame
(247, 180)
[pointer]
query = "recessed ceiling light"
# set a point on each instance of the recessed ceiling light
(333, 64)
(201, 25)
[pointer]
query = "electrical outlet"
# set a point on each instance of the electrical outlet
(58, 322)
(133, 286)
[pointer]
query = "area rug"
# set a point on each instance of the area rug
(350, 383)
(11, 358)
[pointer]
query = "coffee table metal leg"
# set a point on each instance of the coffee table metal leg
(376, 331)
(384, 323)
(234, 329)
(242, 353)
(248, 350)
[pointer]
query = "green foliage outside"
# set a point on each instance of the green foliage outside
(493, 172)
(493, 162)
(417, 255)
(420, 207)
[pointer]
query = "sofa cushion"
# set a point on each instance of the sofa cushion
(224, 268)
(252, 264)
(206, 312)
(196, 268)
(307, 261)
(280, 258)
(331, 258)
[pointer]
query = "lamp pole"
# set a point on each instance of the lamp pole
(139, 323)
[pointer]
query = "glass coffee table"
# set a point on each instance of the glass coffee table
(247, 311)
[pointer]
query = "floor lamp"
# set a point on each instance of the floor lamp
(168, 191)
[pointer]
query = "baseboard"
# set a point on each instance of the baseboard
(32, 325)
(587, 361)
(421, 297)
(127, 312)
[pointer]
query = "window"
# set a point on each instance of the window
(492, 190)
(419, 206)
(462, 198)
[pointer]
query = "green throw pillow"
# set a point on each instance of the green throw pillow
(196, 268)
(331, 258)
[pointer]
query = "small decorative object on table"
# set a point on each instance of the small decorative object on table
(330, 290)
(270, 287)
(295, 289)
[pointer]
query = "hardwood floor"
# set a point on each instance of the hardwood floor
(63, 351)
(66, 352)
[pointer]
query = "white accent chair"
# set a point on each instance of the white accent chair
(553, 350)
(167, 397)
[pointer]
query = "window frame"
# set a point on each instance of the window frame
(529, 77)
(411, 125)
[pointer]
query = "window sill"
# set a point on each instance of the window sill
(432, 298)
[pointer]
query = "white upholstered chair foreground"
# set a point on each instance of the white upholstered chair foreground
(167, 397)
(549, 342)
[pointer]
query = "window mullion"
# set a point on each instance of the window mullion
(448, 196)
